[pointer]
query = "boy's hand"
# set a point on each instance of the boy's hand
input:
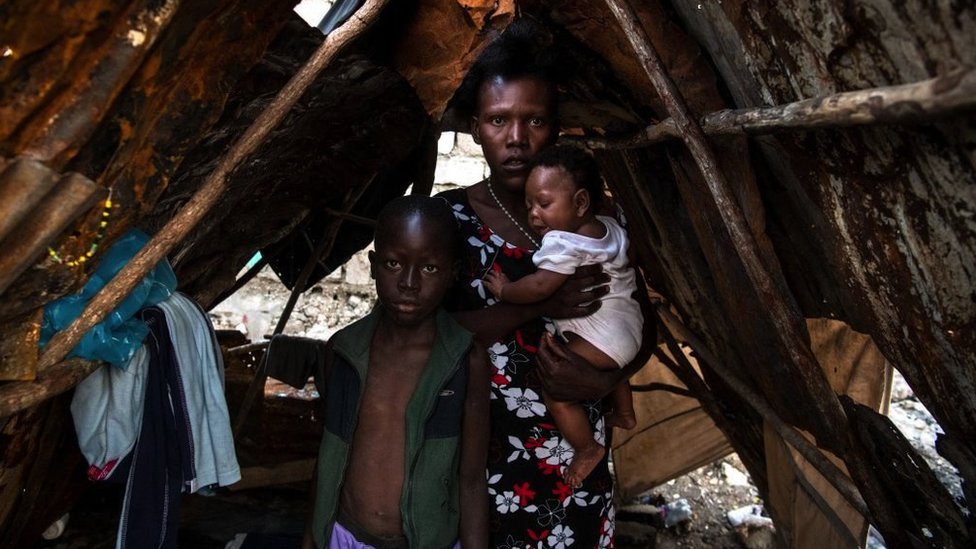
(495, 281)
(579, 295)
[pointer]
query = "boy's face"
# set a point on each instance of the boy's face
(515, 120)
(553, 201)
(413, 267)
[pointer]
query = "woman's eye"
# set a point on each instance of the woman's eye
(431, 269)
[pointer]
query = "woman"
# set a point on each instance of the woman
(514, 117)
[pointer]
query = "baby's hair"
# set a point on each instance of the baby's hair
(582, 167)
(433, 210)
(523, 49)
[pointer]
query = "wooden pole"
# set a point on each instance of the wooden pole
(919, 102)
(23, 185)
(72, 116)
(256, 386)
(786, 321)
(74, 195)
(837, 478)
(209, 193)
(18, 396)
(323, 247)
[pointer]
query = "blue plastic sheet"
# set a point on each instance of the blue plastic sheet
(117, 337)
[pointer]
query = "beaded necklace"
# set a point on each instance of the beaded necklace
(102, 226)
(491, 191)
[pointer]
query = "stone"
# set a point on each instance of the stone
(357, 270)
(445, 143)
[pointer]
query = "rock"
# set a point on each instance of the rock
(461, 170)
(465, 145)
(756, 538)
(357, 270)
(733, 476)
(445, 143)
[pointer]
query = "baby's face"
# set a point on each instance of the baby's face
(552, 200)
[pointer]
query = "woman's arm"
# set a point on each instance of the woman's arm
(567, 376)
(474, 453)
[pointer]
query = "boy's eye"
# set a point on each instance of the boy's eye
(431, 269)
(392, 264)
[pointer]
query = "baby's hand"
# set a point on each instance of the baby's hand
(495, 281)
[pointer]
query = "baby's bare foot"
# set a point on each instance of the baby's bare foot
(584, 461)
(622, 420)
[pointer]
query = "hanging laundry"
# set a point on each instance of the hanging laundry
(162, 421)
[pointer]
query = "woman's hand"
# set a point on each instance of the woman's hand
(566, 376)
(579, 295)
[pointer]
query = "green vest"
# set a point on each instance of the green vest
(429, 503)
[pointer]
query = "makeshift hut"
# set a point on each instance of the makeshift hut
(799, 176)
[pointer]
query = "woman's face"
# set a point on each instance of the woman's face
(514, 121)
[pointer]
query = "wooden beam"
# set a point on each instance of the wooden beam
(282, 473)
(20, 395)
(23, 185)
(837, 478)
(779, 309)
(322, 249)
(210, 191)
(73, 195)
(785, 319)
(71, 117)
(919, 102)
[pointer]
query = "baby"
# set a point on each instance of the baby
(563, 193)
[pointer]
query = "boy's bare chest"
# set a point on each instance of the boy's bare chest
(391, 382)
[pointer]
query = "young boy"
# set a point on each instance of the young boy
(563, 192)
(403, 456)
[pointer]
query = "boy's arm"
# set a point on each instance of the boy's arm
(308, 540)
(474, 453)
(528, 289)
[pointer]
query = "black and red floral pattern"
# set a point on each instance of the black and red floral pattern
(530, 504)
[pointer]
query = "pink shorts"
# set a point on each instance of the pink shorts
(342, 538)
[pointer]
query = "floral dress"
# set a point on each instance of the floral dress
(530, 504)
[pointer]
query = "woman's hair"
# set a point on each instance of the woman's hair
(433, 210)
(580, 165)
(523, 49)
